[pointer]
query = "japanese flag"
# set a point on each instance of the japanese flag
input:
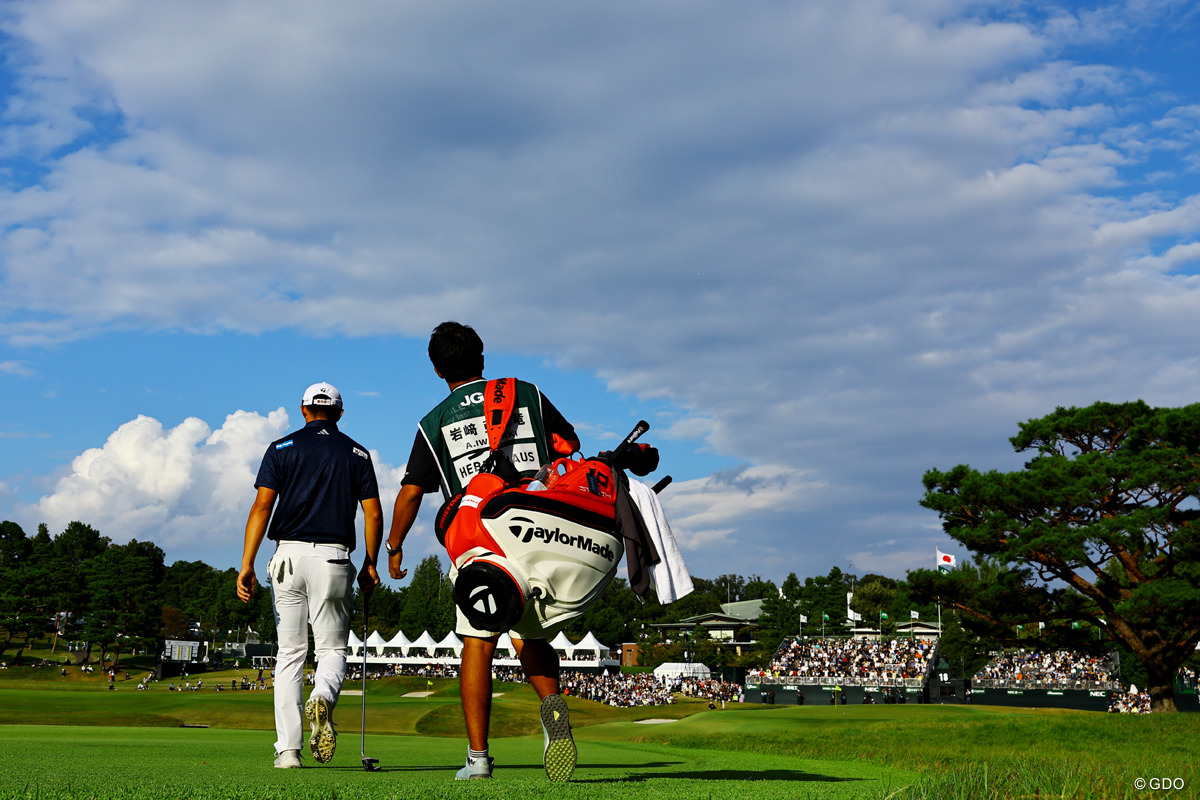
(945, 561)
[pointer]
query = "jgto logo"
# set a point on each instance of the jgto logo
(529, 531)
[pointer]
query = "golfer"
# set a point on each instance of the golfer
(313, 479)
(450, 447)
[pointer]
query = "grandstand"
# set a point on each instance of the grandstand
(859, 662)
(847, 670)
(1061, 669)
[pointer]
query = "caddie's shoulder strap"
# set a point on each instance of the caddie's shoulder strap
(499, 399)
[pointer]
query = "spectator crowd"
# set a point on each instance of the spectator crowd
(1060, 669)
(1131, 702)
(889, 662)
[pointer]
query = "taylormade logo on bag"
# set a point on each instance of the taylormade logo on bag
(528, 532)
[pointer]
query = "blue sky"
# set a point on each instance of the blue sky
(820, 247)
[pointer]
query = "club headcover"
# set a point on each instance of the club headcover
(490, 591)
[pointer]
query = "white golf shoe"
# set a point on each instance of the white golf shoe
(559, 755)
(288, 759)
(479, 768)
(324, 738)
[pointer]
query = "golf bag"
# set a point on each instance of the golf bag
(531, 555)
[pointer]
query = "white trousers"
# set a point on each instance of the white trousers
(311, 584)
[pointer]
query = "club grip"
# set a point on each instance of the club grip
(633, 436)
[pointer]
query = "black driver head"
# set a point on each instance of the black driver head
(371, 764)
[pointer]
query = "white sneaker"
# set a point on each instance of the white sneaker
(324, 738)
(288, 759)
(479, 768)
(559, 754)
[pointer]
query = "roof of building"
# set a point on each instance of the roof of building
(748, 610)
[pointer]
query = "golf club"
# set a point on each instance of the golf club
(369, 764)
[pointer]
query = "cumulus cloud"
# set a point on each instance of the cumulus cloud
(185, 485)
(187, 488)
(847, 241)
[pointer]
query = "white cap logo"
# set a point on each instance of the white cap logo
(322, 394)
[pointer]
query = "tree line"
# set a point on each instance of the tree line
(80, 586)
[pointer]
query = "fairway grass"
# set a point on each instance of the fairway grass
(51, 762)
(76, 740)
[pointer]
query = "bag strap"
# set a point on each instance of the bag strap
(499, 399)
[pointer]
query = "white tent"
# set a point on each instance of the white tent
(451, 642)
(506, 643)
(561, 642)
(424, 642)
(354, 643)
(591, 644)
(677, 669)
(399, 642)
(376, 642)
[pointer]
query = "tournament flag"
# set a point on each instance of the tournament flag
(945, 561)
(803, 619)
(884, 616)
(825, 617)
(1020, 628)
(1076, 624)
(1041, 626)
(914, 615)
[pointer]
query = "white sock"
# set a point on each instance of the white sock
(475, 755)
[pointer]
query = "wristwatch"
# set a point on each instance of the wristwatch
(388, 547)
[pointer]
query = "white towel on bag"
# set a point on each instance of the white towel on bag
(670, 575)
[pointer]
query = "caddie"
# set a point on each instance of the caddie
(451, 446)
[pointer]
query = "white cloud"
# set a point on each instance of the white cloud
(188, 485)
(187, 488)
(17, 368)
(708, 512)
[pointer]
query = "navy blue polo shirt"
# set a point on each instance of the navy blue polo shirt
(320, 476)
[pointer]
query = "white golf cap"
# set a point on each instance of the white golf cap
(321, 394)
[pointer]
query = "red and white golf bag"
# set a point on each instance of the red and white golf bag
(531, 556)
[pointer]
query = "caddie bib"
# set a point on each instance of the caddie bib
(457, 431)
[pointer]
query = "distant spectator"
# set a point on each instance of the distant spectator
(858, 661)
(1060, 669)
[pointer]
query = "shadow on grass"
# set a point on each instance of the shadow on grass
(791, 775)
(508, 767)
